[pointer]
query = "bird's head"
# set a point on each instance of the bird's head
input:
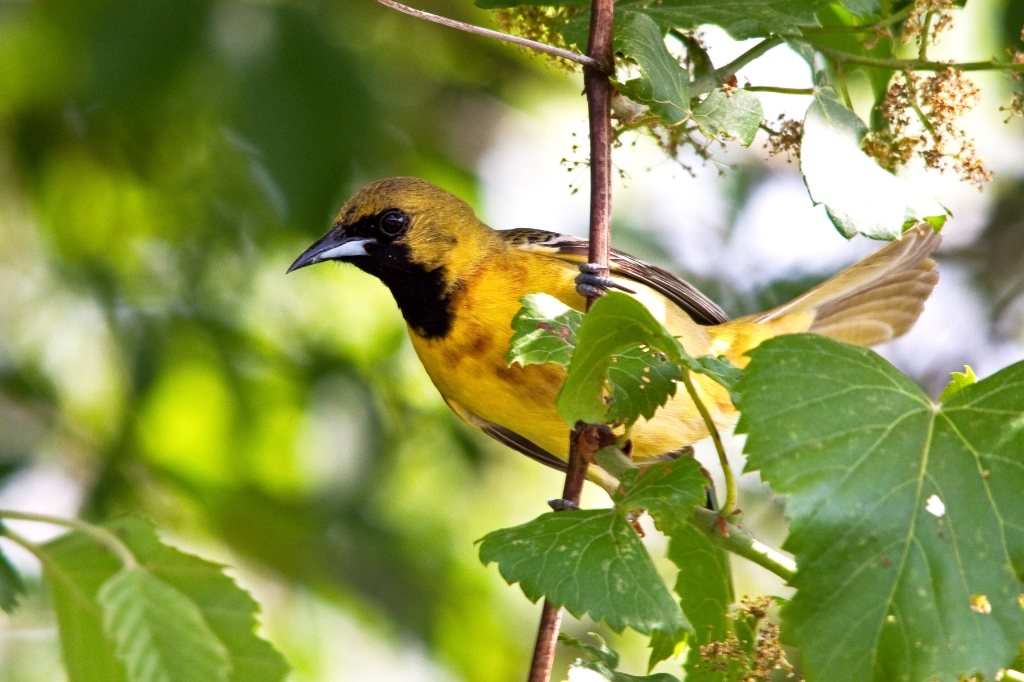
(398, 227)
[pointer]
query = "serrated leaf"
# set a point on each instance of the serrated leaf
(11, 584)
(615, 324)
(735, 114)
(74, 567)
(904, 514)
(958, 381)
(669, 491)
(705, 590)
(640, 381)
(159, 633)
(616, 676)
(589, 561)
(742, 19)
(604, 661)
(840, 175)
(544, 331)
(721, 370)
(600, 653)
(664, 83)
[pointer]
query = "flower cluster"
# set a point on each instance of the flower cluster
(784, 137)
(750, 661)
(928, 19)
(931, 133)
(540, 24)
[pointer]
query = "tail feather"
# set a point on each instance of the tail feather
(874, 300)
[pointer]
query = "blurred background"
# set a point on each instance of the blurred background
(161, 164)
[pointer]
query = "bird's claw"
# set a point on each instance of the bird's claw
(588, 283)
(560, 504)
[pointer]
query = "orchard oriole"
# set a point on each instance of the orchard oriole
(458, 284)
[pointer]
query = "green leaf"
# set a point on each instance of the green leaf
(74, 567)
(160, 633)
(705, 590)
(640, 380)
(615, 324)
(589, 561)
(742, 19)
(604, 661)
(11, 584)
(664, 83)
(721, 370)
(668, 491)
(907, 524)
(600, 653)
(545, 331)
(734, 114)
(959, 380)
(841, 176)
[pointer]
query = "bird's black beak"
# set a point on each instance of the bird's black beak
(335, 245)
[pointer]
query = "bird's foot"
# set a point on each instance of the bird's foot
(590, 283)
(560, 504)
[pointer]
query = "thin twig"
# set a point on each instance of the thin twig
(581, 442)
(101, 535)
(730, 479)
(782, 91)
(841, 77)
(914, 64)
(708, 83)
(916, 105)
(922, 50)
(734, 539)
(497, 35)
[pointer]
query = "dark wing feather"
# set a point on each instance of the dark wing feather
(508, 437)
(520, 444)
(698, 306)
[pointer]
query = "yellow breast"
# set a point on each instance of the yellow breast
(468, 364)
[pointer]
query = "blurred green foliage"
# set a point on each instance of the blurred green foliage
(161, 163)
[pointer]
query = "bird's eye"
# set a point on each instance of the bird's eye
(393, 223)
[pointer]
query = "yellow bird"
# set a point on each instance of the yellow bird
(458, 284)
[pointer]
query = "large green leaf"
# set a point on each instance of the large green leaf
(664, 83)
(159, 633)
(907, 522)
(615, 324)
(544, 331)
(704, 586)
(640, 380)
(589, 561)
(75, 567)
(732, 114)
(742, 19)
(859, 195)
(668, 491)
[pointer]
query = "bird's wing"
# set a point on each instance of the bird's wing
(874, 300)
(573, 249)
(508, 437)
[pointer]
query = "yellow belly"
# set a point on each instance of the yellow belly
(468, 365)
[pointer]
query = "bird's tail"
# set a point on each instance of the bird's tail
(872, 301)
(868, 303)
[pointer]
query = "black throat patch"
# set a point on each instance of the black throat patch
(419, 293)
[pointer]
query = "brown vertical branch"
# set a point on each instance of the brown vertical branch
(599, 102)
(584, 438)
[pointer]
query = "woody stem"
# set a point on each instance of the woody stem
(599, 96)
